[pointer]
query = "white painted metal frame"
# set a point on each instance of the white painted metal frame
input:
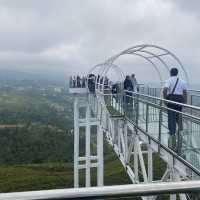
(126, 147)
(129, 149)
(90, 161)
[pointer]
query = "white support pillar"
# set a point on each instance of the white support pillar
(144, 173)
(113, 130)
(172, 175)
(100, 169)
(87, 161)
(76, 143)
(172, 196)
(150, 164)
(87, 147)
(136, 160)
(126, 142)
(119, 137)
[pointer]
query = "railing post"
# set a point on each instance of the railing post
(76, 143)
(147, 117)
(137, 112)
(126, 141)
(136, 159)
(179, 136)
(150, 163)
(87, 149)
(100, 161)
(160, 126)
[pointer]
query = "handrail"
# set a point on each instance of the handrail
(165, 100)
(107, 191)
(147, 99)
(158, 98)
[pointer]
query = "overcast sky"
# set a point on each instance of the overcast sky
(71, 36)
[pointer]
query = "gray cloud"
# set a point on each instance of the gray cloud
(72, 36)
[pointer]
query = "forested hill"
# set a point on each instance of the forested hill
(36, 139)
(36, 123)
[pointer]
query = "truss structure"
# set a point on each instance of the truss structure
(135, 136)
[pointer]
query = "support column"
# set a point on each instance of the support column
(119, 137)
(150, 164)
(172, 175)
(126, 142)
(100, 168)
(136, 160)
(76, 143)
(88, 161)
(87, 147)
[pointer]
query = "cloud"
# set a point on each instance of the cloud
(73, 36)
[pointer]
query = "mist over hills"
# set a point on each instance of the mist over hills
(15, 75)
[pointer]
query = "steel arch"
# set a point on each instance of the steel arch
(137, 50)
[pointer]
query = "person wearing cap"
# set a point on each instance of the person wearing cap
(175, 89)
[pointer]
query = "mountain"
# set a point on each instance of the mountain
(15, 75)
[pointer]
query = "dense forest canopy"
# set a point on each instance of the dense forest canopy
(36, 123)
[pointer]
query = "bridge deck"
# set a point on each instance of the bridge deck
(149, 114)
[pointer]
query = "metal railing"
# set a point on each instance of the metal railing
(77, 82)
(193, 95)
(108, 191)
(150, 115)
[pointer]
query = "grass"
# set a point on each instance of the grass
(35, 177)
(54, 176)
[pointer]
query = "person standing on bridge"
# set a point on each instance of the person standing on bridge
(128, 87)
(128, 99)
(134, 83)
(175, 89)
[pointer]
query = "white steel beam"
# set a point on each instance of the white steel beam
(83, 158)
(76, 143)
(144, 173)
(84, 166)
(150, 163)
(136, 160)
(100, 168)
(126, 141)
(87, 147)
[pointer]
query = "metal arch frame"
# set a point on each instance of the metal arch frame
(118, 71)
(137, 50)
(108, 126)
(141, 48)
(100, 72)
(154, 65)
(106, 123)
(103, 70)
(116, 68)
(92, 69)
(158, 57)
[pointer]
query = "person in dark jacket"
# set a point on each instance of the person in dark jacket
(91, 83)
(83, 82)
(115, 91)
(98, 81)
(78, 79)
(128, 87)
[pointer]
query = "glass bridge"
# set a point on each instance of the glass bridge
(135, 124)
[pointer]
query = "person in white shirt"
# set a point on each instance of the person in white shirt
(175, 89)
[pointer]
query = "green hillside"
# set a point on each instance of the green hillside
(36, 139)
(52, 175)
